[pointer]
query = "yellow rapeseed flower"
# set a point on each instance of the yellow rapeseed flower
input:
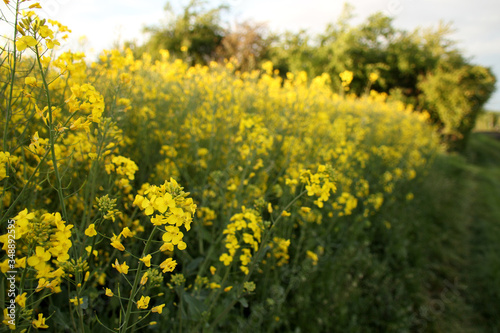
(143, 303)
(46, 32)
(89, 248)
(40, 257)
(285, 213)
(115, 242)
(226, 259)
(40, 322)
(121, 268)
(90, 231)
(144, 279)
(346, 77)
(168, 265)
(305, 209)
(7, 320)
(313, 256)
(21, 300)
(30, 81)
(24, 42)
(146, 260)
(76, 301)
(158, 308)
(127, 233)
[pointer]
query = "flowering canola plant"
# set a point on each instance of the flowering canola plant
(270, 165)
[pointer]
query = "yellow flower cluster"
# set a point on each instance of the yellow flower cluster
(347, 201)
(303, 157)
(173, 209)
(35, 30)
(279, 248)
(44, 240)
(125, 168)
(346, 77)
(4, 160)
(88, 101)
(107, 207)
(244, 230)
(319, 184)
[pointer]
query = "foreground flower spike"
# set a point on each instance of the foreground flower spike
(262, 152)
(168, 207)
(245, 232)
(319, 184)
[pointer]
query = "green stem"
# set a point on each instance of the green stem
(12, 78)
(52, 142)
(79, 308)
(137, 279)
(8, 110)
(21, 286)
(217, 295)
(71, 312)
(13, 205)
(52, 139)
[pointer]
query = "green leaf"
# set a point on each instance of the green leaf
(193, 265)
(243, 302)
(195, 306)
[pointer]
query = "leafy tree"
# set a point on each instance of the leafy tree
(292, 52)
(422, 67)
(456, 96)
(248, 43)
(193, 35)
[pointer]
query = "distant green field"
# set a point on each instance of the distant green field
(488, 121)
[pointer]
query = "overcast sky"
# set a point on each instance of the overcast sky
(477, 23)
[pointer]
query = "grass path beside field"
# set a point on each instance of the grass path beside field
(463, 253)
(483, 157)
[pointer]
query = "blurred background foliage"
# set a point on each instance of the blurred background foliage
(423, 67)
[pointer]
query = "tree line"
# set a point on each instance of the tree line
(422, 67)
